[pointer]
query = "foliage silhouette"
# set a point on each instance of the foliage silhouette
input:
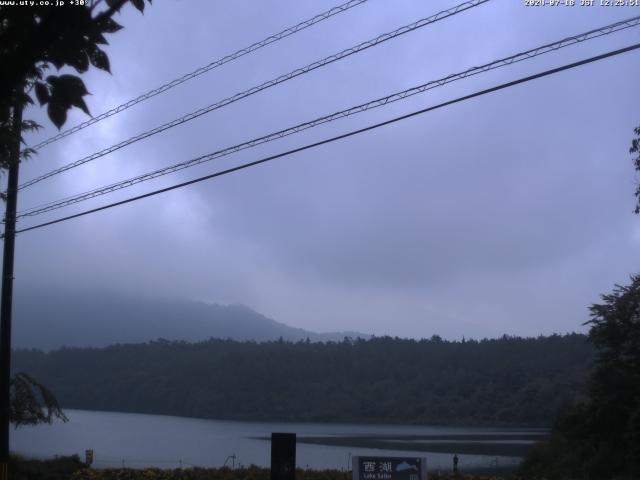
(38, 38)
(600, 437)
(635, 148)
(33, 40)
(31, 402)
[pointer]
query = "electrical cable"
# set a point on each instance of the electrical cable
(216, 63)
(271, 83)
(532, 53)
(338, 137)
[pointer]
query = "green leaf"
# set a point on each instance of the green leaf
(99, 39)
(57, 62)
(57, 114)
(31, 403)
(42, 93)
(66, 91)
(79, 61)
(30, 125)
(27, 153)
(99, 59)
(108, 25)
(79, 102)
(139, 4)
(71, 84)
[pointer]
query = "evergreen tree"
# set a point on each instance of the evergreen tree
(600, 437)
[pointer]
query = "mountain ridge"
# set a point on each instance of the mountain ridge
(50, 319)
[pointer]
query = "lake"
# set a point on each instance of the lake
(136, 440)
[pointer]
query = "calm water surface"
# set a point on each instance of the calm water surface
(137, 440)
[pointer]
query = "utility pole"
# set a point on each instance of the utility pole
(7, 287)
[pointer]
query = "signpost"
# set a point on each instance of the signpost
(389, 468)
(283, 456)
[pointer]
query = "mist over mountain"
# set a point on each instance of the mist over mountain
(49, 319)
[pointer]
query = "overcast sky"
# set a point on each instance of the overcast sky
(509, 213)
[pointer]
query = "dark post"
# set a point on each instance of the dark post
(7, 291)
(88, 457)
(283, 456)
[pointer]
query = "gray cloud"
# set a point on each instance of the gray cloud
(508, 213)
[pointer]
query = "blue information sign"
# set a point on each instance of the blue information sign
(389, 468)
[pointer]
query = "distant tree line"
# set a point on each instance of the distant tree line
(509, 380)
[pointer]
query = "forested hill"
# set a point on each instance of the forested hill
(99, 319)
(502, 381)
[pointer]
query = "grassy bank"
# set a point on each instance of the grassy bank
(252, 473)
(62, 468)
(71, 468)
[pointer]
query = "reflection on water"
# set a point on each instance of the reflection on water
(152, 440)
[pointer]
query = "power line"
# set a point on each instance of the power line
(340, 137)
(591, 34)
(276, 81)
(215, 64)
